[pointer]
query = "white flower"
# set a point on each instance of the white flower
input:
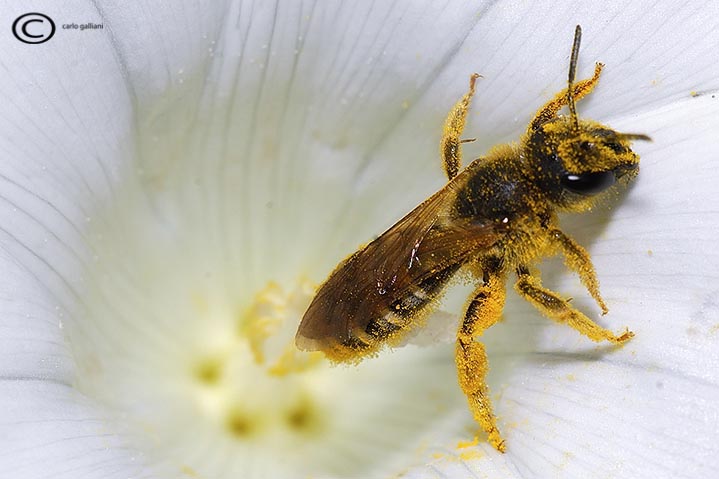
(173, 185)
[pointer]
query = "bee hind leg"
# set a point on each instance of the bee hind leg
(555, 307)
(450, 145)
(484, 310)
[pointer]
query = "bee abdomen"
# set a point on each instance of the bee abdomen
(403, 310)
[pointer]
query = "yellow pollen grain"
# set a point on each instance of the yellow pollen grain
(293, 361)
(188, 471)
(466, 444)
(471, 454)
(270, 309)
(263, 319)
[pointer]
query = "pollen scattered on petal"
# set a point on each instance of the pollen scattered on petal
(294, 361)
(471, 454)
(466, 444)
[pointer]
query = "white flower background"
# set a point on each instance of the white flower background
(172, 186)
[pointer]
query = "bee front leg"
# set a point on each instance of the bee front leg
(550, 110)
(471, 358)
(577, 259)
(450, 145)
(555, 307)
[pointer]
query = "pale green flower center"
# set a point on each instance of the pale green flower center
(197, 366)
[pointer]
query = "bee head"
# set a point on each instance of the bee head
(578, 159)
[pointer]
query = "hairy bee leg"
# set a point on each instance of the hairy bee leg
(550, 109)
(449, 146)
(471, 358)
(577, 259)
(553, 306)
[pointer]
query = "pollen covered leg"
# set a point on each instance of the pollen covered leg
(484, 310)
(577, 259)
(559, 309)
(552, 107)
(449, 146)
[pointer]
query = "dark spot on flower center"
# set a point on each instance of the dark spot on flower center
(304, 417)
(240, 424)
(208, 371)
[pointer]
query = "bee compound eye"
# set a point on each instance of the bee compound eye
(616, 147)
(588, 183)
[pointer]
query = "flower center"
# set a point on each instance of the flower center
(193, 357)
(260, 357)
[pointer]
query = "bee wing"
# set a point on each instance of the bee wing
(427, 242)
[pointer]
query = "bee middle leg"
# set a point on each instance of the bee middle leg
(555, 307)
(484, 310)
(450, 144)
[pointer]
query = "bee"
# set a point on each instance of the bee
(495, 217)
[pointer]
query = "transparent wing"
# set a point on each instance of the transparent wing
(427, 242)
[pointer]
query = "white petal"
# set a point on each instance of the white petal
(49, 430)
(65, 130)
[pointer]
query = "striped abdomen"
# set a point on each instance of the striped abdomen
(402, 311)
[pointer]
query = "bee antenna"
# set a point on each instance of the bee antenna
(633, 136)
(570, 80)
